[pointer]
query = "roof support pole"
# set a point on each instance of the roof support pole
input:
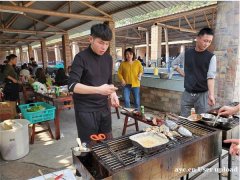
(21, 54)
(30, 52)
(112, 48)
(44, 53)
(67, 55)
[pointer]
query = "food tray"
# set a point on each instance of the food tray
(155, 142)
(38, 116)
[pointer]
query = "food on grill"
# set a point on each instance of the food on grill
(172, 125)
(185, 132)
(148, 139)
(175, 133)
(35, 108)
(164, 129)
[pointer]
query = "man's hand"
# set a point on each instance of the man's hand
(211, 100)
(106, 89)
(226, 110)
(235, 147)
(114, 100)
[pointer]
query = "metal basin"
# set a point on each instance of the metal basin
(208, 117)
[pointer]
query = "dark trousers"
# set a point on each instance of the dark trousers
(89, 123)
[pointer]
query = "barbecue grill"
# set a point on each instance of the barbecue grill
(120, 159)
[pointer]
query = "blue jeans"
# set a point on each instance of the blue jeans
(136, 95)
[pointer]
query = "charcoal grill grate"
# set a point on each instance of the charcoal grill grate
(129, 154)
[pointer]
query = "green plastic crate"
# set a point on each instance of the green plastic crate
(39, 116)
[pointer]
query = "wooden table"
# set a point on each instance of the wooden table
(136, 119)
(60, 102)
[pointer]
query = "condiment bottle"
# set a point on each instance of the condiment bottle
(193, 111)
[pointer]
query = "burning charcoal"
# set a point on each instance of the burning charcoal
(185, 132)
(172, 125)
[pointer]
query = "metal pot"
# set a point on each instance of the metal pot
(223, 121)
(163, 75)
(208, 117)
(80, 152)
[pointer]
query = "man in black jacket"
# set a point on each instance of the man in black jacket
(199, 74)
(90, 80)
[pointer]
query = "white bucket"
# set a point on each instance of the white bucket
(14, 143)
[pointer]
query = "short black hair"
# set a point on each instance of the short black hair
(205, 30)
(101, 31)
(131, 51)
(10, 57)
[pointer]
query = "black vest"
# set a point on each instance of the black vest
(196, 66)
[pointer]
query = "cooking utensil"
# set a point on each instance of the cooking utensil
(98, 137)
(79, 143)
(208, 117)
(215, 120)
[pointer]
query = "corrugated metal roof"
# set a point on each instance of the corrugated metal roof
(118, 9)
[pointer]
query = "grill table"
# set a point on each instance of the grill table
(60, 102)
(188, 152)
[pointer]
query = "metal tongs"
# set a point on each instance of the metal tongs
(215, 120)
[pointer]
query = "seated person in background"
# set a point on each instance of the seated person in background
(24, 73)
(61, 78)
(235, 146)
(40, 76)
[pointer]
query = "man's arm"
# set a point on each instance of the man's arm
(211, 98)
(211, 80)
(175, 64)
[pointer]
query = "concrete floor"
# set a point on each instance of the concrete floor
(51, 155)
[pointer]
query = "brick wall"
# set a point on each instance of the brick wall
(161, 99)
(157, 99)
(226, 43)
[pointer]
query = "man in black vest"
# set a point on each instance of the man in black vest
(90, 80)
(199, 73)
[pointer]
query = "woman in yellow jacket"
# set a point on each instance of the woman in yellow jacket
(129, 74)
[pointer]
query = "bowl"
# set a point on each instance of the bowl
(163, 75)
(195, 117)
(208, 117)
(77, 151)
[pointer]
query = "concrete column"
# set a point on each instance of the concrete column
(75, 49)
(14, 51)
(156, 40)
(57, 53)
(35, 55)
(112, 48)
(123, 49)
(226, 42)
(67, 55)
(21, 54)
(44, 53)
(30, 52)
(166, 46)
(147, 47)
